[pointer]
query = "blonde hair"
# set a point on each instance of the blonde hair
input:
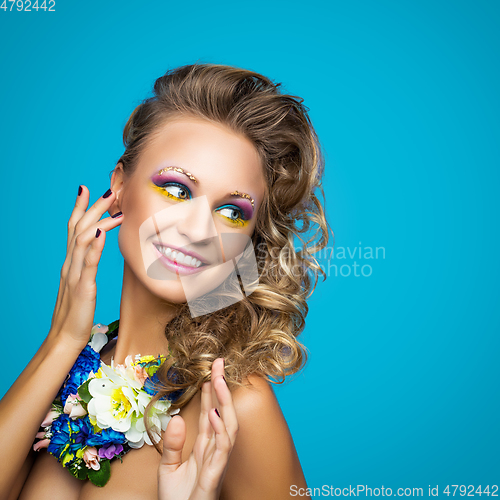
(257, 335)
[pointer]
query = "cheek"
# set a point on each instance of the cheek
(136, 209)
(128, 242)
(235, 241)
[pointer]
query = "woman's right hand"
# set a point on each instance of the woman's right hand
(74, 312)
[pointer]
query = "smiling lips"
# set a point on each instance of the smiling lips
(177, 261)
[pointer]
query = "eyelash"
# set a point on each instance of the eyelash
(240, 221)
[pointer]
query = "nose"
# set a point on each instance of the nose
(197, 223)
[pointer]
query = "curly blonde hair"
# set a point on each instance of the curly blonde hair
(258, 334)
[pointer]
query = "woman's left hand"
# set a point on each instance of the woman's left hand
(200, 477)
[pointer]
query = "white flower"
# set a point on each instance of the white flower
(118, 401)
(98, 337)
(114, 399)
(160, 416)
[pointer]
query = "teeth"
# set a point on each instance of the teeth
(179, 257)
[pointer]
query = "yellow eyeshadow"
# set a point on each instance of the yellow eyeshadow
(164, 192)
(235, 222)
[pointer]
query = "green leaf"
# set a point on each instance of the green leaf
(58, 406)
(82, 472)
(79, 473)
(83, 391)
(151, 370)
(84, 406)
(100, 477)
(113, 326)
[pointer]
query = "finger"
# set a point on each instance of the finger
(217, 371)
(88, 273)
(84, 223)
(96, 211)
(74, 227)
(173, 442)
(226, 406)
(82, 242)
(81, 204)
(204, 428)
(91, 216)
(222, 450)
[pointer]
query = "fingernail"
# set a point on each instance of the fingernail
(80, 190)
(217, 412)
(107, 193)
(97, 233)
(224, 379)
(118, 214)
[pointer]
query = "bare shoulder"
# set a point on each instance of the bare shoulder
(257, 396)
(264, 463)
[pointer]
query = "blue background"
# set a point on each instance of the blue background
(402, 384)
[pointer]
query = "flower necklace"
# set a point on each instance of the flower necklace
(98, 413)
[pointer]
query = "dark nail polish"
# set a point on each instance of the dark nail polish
(80, 190)
(107, 193)
(224, 379)
(97, 233)
(118, 214)
(217, 412)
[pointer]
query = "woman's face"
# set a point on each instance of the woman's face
(189, 207)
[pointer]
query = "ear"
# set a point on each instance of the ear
(117, 180)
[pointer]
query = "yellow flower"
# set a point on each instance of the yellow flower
(67, 457)
(145, 359)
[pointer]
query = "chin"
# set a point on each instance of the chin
(169, 290)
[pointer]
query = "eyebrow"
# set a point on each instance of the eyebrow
(194, 179)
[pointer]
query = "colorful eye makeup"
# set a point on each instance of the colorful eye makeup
(233, 215)
(173, 190)
(167, 182)
(243, 195)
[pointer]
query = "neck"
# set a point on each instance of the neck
(143, 317)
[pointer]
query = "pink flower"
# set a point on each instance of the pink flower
(73, 407)
(51, 416)
(99, 328)
(44, 443)
(140, 374)
(91, 458)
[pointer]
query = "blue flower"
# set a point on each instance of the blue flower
(150, 388)
(60, 436)
(149, 384)
(81, 430)
(106, 437)
(87, 361)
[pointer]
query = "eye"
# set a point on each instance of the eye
(233, 214)
(174, 190)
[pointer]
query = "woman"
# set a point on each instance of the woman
(218, 162)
